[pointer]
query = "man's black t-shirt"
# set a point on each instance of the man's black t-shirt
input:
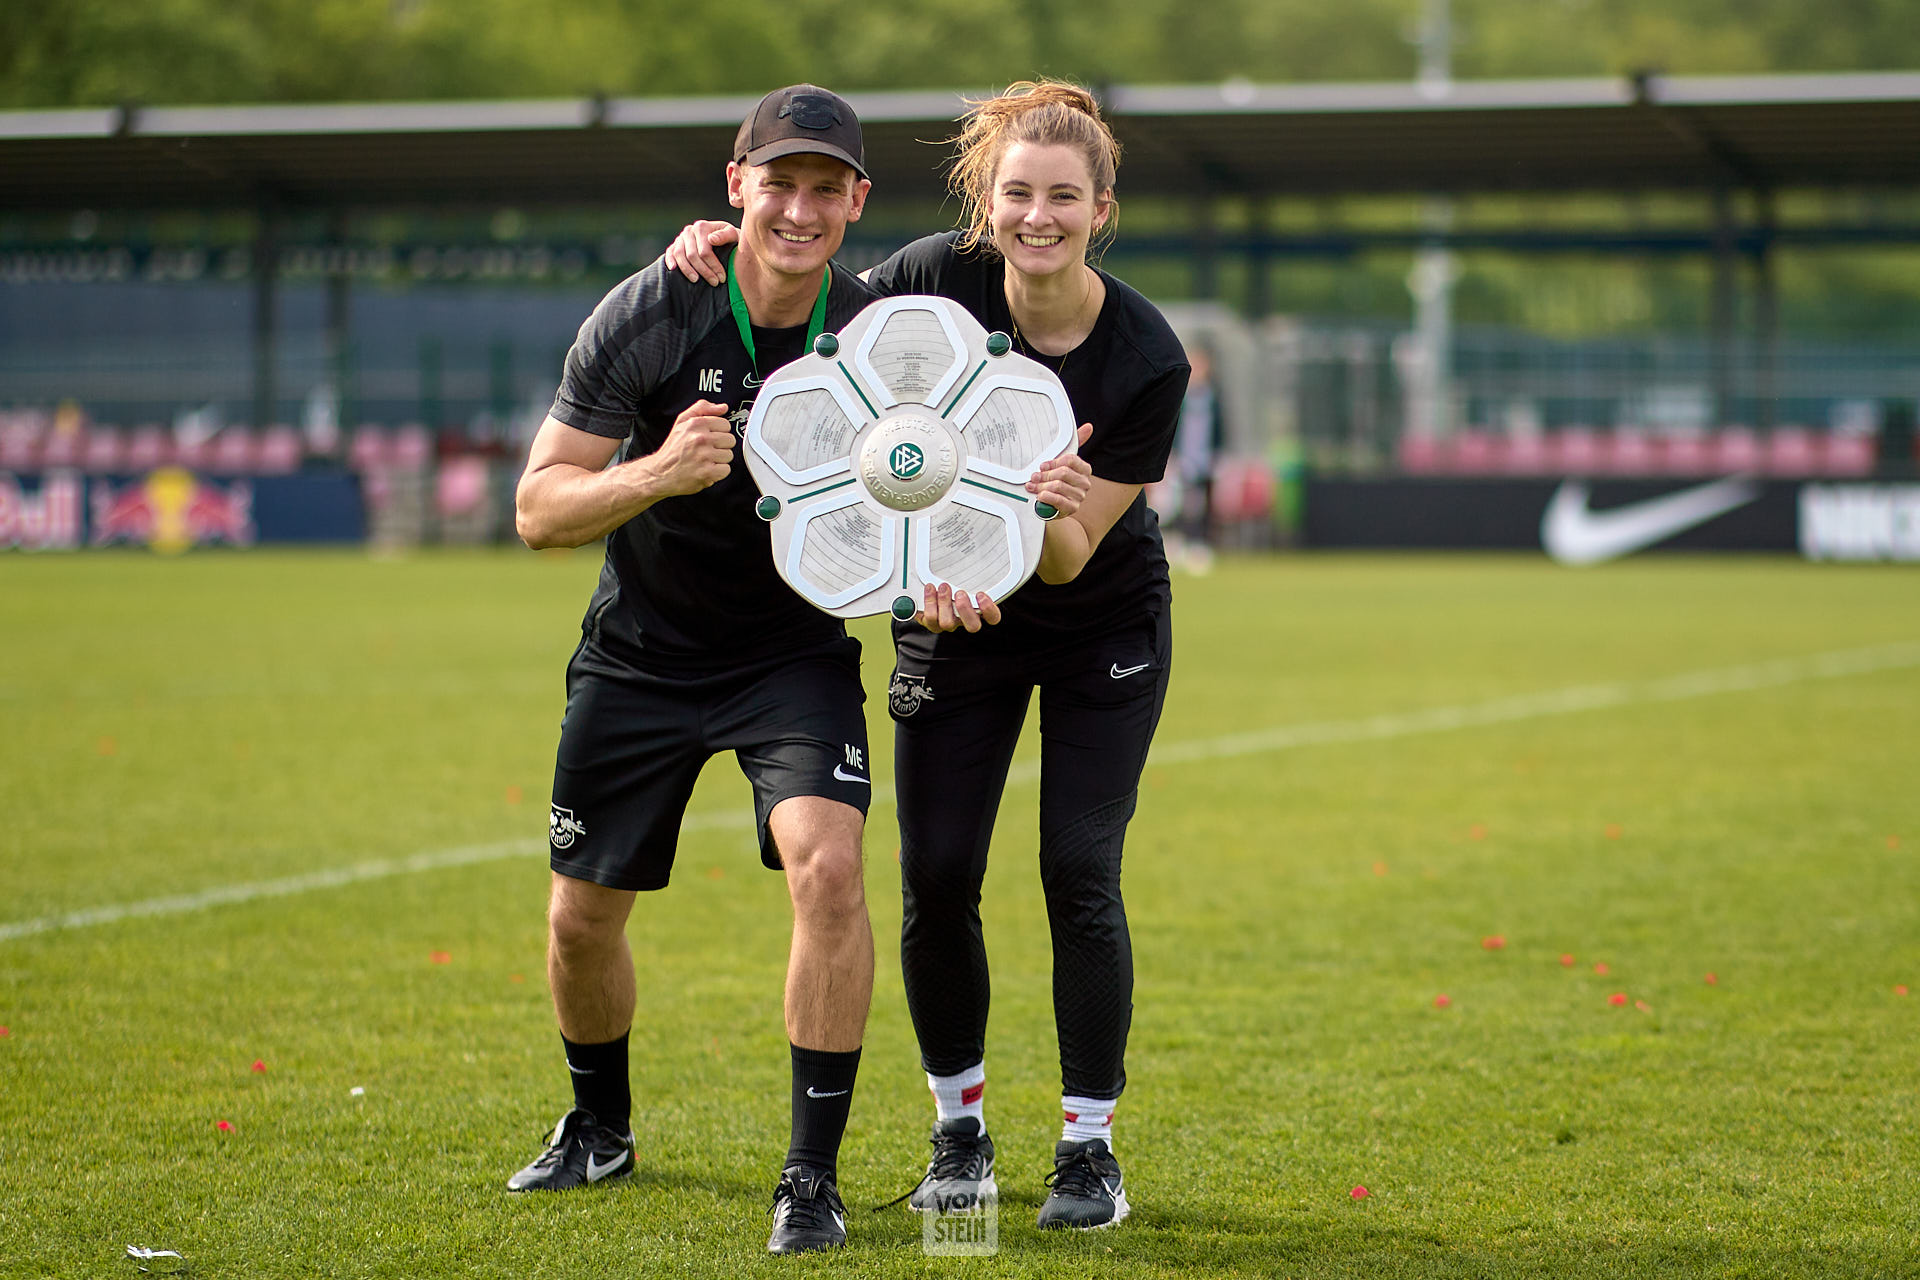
(1127, 378)
(689, 587)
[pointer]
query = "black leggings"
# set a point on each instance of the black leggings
(956, 723)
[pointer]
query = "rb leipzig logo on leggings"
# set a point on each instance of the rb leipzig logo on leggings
(906, 693)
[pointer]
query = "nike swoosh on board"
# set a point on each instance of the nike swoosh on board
(1572, 533)
(844, 776)
(1119, 672)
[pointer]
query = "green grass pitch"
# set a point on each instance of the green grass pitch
(303, 796)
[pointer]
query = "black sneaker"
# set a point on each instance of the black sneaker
(1086, 1191)
(581, 1150)
(960, 1175)
(807, 1213)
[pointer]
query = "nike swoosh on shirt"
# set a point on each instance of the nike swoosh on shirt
(1574, 534)
(844, 776)
(1119, 672)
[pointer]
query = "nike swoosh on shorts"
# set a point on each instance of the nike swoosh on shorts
(844, 776)
(1119, 672)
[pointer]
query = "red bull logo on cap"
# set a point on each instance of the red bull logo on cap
(172, 510)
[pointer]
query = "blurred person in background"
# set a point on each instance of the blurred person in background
(693, 645)
(1035, 174)
(1196, 447)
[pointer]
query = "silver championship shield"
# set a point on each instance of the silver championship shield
(897, 454)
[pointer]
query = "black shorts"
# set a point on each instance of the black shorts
(632, 746)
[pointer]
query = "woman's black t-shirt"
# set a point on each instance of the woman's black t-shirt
(1127, 378)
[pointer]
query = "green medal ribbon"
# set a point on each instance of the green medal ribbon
(816, 323)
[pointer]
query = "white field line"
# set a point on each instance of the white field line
(359, 872)
(1532, 706)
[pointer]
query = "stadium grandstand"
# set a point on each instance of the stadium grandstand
(385, 290)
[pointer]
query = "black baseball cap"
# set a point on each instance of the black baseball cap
(801, 119)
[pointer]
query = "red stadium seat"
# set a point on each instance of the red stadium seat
(20, 440)
(1688, 454)
(1528, 455)
(412, 448)
(106, 451)
(1846, 454)
(1631, 452)
(63, 448)
(280, 451)
(1419, 453)
(460, 486)
(192, 451)
(1791, 452)
(1243, 489)
(233, 450)
(369, 449)
(149, 447)
(1475, 453)
(1737, 449)
(1578, 450)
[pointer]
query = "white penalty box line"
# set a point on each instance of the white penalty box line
(1509, 710)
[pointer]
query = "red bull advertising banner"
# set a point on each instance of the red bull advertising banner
(46, 513)
(172, 509)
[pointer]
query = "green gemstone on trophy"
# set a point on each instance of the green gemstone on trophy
(903, 607)
(1045, 510)
(826, 345)
(998, 343)
(768, 508)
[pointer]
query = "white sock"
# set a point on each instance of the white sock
(961, 1095)
(1087, 1119)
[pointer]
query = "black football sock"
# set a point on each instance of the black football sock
(822, 1096)
(599, 1074)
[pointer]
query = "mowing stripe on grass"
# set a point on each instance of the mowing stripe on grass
(1533, 706)
(1552, 702)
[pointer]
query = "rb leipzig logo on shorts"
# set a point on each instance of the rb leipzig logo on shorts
(563, 828)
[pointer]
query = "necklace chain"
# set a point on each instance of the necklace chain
(1061, 366)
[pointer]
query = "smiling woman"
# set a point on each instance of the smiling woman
(1035, 174)
(1032, 115)
(1091, 632)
